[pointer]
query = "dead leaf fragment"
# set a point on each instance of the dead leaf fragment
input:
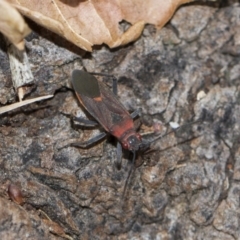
(88, 23)
(12, 25)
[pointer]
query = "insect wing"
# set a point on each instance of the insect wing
(85, 84)
(98, 100)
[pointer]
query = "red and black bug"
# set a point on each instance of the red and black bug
(104, 106)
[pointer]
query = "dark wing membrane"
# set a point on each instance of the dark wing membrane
(111, 101)
(108, 111)
(85, 84)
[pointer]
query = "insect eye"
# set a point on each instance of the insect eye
(125, 145)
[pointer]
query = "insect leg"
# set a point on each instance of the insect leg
(135, 113)
(115, 90)
(89, 142)
(114, 85)
(85, 122)
(130, 173)
(118, 163)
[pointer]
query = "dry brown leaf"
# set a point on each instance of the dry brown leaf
(12, 25)
(88, 23)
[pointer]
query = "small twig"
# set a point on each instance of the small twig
(22, 103)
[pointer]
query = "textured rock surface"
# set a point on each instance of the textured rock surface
(187, 189)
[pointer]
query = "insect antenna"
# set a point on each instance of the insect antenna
(146, 145)
(146, 148)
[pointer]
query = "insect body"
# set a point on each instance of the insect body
(104, 106)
